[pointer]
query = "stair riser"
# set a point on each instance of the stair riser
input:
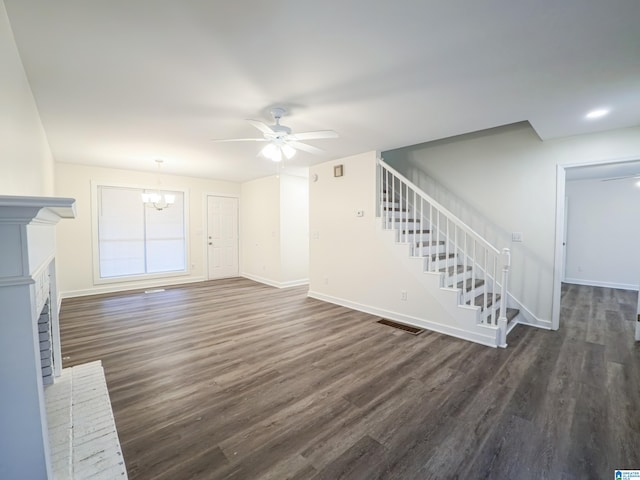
(440, 263)
(415, 238)
(486, 313)
(453, 280)
(469, 296)
(398, 214)
(427, 251)
(400, 224)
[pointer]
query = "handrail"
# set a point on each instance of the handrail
(453, 248)
(437, 205)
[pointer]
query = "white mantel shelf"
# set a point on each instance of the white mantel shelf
(27, 280)
(43, 209)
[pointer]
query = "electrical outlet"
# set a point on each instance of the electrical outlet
(326, 280)
(403, 295)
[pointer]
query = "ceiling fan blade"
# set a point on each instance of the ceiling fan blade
(315, 135)
(263, 127)
(306, 148)
(240, 140)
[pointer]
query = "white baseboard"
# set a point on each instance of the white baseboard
(526, 316)
(597, 283)
(126, 287)
(274, 283)
(490, 340)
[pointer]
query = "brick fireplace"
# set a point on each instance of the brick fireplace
(30, 355)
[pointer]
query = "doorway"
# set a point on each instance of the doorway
(222, 237)
(618, 172)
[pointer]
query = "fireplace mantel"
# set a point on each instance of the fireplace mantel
(27, 280)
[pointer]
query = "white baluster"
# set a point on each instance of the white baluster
(415, 217)
(502, 321)
(464, 269)
(494, 289)
(433, 234)
(473, 269)
(486, 281)
(439, 233)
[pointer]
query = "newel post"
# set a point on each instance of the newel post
(502, 319)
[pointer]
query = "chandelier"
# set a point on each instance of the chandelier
(155, 198)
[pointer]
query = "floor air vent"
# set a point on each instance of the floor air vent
(401, 326)
(154, 290)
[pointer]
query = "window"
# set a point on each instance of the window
(134, 239)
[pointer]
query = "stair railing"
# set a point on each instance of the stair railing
(458, 248)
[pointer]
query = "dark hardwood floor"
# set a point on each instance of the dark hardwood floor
(236, 380)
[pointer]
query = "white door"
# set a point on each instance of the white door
(222, 236)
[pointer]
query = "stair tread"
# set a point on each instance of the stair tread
(440, 256)
(511, 314)
(454, 269)
(395, 209)
(466, 284)
(479, 300)
(429, 243)
(411, 232)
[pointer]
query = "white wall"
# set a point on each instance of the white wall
(294, 229)
(260, 230)
(503, 180)
(355, 263)
(26, 163)
(603, 233)
(274, 226)
(74, 238)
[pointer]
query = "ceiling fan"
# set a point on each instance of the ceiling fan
(282, 142)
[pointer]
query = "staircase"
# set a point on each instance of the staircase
(461, 258)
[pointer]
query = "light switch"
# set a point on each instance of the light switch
(516, 237)
(360, 213)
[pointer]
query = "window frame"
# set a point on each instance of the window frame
(95, 241)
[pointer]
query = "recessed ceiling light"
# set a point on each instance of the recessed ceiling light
(598, 113)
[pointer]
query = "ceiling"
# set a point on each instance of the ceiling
(120, 83)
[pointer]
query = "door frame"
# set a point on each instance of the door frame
(559, 255)
(205, 232)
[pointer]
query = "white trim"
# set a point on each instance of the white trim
(526, 316)
(211, 194)
(597, 283)
(129, 287)
(274, 283)
(603, 161)
(490, 340)
(558, 259)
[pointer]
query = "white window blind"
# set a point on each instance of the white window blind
(134, 239)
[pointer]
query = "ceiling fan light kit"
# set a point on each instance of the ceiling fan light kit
(274, 151)
(281, 140)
